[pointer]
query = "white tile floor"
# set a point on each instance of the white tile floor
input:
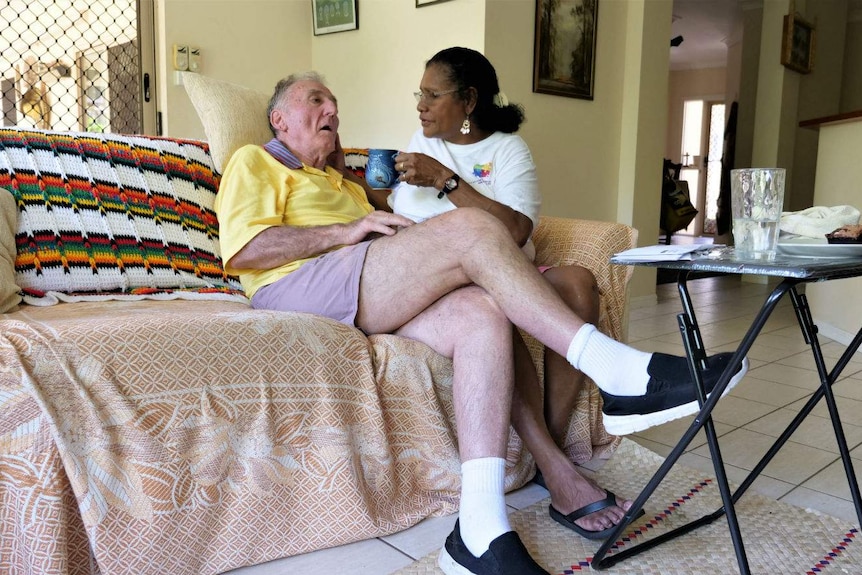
(807, 472)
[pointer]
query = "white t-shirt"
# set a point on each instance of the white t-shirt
(499, 167)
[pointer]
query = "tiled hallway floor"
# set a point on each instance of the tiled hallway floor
(807, 472)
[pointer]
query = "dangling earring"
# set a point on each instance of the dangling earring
(465, 126)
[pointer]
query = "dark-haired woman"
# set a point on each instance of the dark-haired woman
(467, 154)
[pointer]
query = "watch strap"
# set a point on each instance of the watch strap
(450, 184)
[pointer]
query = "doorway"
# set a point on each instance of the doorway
(702, 145)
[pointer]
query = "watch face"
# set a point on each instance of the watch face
(448, 186)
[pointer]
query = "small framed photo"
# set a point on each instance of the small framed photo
(420, 3)
(334, 16)
(797, 44)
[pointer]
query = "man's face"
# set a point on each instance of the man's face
(307, 121)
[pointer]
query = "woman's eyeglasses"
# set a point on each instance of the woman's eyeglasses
(429, 97)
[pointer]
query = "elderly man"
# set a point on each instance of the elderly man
(302, 235)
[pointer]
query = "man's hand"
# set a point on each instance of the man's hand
(279, 245)
(377, 222)
(336, 158)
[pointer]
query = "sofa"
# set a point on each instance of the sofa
(151, 421)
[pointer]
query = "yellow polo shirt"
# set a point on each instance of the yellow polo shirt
(257, 192)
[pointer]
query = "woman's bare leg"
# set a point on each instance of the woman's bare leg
(570, 490)
(563, 383)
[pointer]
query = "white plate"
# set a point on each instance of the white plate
(818, 248)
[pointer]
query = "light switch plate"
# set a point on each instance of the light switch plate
(181, 57)
(194, 59)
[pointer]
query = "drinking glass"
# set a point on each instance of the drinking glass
(757, 199)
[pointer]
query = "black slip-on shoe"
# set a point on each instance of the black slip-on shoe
(670, 393)
(505, 556)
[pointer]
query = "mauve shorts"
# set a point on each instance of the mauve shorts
(327, 286)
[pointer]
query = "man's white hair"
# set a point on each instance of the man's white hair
(283, 87)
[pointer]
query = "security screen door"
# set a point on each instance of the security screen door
(81, 65)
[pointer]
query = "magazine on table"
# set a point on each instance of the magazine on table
(664, 253)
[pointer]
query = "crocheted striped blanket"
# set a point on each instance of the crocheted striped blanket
(105, 216)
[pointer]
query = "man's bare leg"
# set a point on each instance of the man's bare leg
(440, 275)
(468, 327)
(405, 273)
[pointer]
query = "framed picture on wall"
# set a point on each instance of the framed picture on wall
(334, 16)
(797, 44)
(564, 57)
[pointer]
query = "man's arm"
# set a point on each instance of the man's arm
(281, 245)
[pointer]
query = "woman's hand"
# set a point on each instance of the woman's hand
(421, 170)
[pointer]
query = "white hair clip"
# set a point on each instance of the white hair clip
(500, 100)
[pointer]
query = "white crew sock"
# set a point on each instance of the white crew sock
(482, 515)
(615, 367)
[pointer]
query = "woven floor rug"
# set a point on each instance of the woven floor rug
(779, 538)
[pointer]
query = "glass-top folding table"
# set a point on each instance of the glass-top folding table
(794, 272)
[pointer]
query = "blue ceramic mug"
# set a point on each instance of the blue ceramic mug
(380, 171)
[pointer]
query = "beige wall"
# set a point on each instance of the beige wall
(598, 159)
(249, 42)
(837, 305)
(567, 136)
(819, 95)
(601, 158)
(772, 88)
(375, 70)
(749, 55)
(769, 133)
(644, 125)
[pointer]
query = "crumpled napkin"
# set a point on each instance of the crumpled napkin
(817, 221)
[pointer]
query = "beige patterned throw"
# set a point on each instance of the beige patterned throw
(190, 438)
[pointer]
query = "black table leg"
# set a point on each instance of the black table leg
(803, 313)
(694, 350)
(694, 346)
(809, 332)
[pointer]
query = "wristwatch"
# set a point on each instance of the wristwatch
(449, 185)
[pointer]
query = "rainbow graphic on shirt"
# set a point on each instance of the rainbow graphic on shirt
(482, 171)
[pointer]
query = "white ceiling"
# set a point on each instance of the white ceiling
(707, 27)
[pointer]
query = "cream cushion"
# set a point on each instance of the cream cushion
(9, 296)
(232, 115)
